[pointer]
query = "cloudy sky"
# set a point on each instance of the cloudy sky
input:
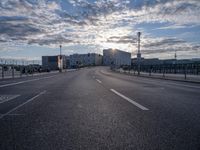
(32, 28)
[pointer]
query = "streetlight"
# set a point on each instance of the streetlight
(113, 59)
(60, 59)
(175, 56)
(139, 53)
(60, 50)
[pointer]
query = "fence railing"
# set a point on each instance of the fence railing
(11, 71)
(185, 72)
(15, 71)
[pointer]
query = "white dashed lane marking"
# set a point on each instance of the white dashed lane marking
(98, 81)
(129, 100)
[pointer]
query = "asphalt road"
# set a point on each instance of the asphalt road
(94, 108)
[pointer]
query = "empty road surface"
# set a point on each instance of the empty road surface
(94, 108)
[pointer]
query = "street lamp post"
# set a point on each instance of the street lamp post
(113, 63)
(12, 68)
(60, 59)
(60, 50)
(139, 53)
(175, 56)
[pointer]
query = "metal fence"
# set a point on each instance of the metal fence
(179, 71)
(14, 71)
(13, 68)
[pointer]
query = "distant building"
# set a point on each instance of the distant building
(191, 66)
(156, 61)
(67, 62)
(151, 61)
(64, 64)
(81, 60)
(116, 57)
(53, 62)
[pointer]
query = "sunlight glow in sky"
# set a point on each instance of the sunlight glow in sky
(32, 28)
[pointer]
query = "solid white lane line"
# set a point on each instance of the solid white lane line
(31, 99)
(98, 81)
(129, 100)
(16, 83)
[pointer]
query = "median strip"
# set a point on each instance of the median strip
(129, 100)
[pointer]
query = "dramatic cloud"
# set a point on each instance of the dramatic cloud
(101, 23)
(164, 42)
(122, 39)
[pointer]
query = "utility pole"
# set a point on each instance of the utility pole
(12, 67)
(175, 56)
(33, 69)
(139, 53)
(60, 59)
(2, 65)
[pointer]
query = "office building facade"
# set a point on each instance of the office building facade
(54, 62)
(116, 58)
(81, 60)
